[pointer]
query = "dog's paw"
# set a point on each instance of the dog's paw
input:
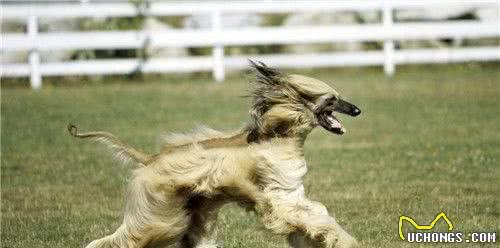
(346, 241)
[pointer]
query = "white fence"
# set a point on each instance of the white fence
(217, 37)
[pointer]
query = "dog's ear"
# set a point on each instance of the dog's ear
(264, 70)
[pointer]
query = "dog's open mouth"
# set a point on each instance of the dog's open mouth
(328, 121)
(326, 118)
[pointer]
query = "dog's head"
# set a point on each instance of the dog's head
(287, 105)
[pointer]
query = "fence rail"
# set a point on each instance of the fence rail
(124, 9)
(217, 37)
(205, 63)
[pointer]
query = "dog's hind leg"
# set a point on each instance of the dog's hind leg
(202, 231)
(117, 239)
(154, 217)
(155, 235)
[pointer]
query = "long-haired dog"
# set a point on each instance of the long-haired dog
(174, 196)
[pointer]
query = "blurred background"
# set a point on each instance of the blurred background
(130, 37)
(426, 75)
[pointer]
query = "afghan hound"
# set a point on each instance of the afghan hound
(174, 196)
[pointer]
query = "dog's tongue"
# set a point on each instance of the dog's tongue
(334, 123)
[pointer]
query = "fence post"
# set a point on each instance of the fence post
(34, 56)
(218, 49)
(387, 18)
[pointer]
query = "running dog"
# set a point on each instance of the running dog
(174, 196)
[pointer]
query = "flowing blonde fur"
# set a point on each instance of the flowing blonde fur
(175, 196)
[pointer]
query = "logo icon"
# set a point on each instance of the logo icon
(441, 215)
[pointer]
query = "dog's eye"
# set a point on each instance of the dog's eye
(332, 101)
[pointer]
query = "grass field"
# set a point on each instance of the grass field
(428, 141)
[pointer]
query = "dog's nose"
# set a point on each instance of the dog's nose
(356, 112)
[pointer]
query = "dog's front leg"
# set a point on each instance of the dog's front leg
(321, 230)
(305, 222)
(321, 235)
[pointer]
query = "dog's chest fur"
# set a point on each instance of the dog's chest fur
(281, 166)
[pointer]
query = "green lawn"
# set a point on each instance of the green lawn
(428, 141)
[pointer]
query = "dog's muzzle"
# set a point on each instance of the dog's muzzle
(329, 121)
(347, 108)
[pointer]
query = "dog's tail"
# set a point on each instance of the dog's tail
(123, 151)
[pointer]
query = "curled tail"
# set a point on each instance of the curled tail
(122, 150)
